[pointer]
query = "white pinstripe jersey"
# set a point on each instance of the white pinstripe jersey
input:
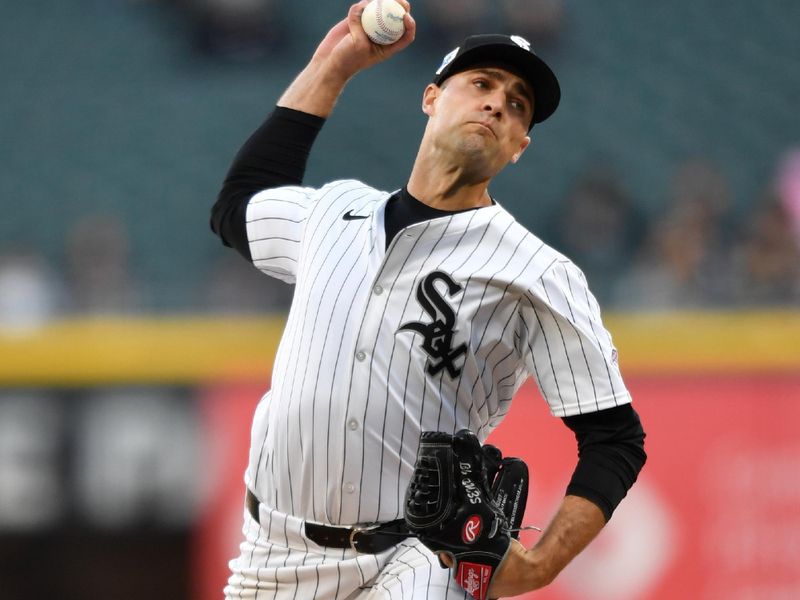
(435, 332)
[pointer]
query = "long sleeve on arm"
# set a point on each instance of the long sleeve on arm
(611, 455)
(274, 156)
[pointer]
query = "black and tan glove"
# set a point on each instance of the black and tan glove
(466, 501)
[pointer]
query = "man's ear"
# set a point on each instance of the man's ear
(429, 97)
(525, 143)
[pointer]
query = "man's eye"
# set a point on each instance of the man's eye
(480, 83)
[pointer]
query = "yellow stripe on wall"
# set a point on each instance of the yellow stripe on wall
(168, 350)
(194, 349)
(706, 341)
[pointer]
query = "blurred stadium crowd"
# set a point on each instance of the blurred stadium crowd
(695, 254)
(116, 151)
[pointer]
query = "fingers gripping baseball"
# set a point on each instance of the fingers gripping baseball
(350, 50)
(378, 52)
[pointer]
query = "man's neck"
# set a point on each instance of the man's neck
(446, 187)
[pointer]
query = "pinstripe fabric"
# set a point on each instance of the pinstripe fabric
(436, 332)
(277, 562)
(335, 438)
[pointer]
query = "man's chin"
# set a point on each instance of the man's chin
(478, 158)
(476, 144)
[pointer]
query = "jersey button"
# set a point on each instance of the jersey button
(349, 487)
(352, 424)
(361, 355)
(378, 290)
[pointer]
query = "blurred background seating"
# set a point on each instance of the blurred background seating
(124, 111)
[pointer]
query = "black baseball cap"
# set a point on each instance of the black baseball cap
(512, 53)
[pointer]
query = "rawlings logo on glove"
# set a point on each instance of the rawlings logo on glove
(472, 529)
(466, 501)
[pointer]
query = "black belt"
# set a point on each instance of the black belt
(367, 540)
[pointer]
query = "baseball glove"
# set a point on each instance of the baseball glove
(467, 501)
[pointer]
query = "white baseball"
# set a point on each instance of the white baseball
(382, 21)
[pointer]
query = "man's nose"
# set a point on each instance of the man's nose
(494, 104)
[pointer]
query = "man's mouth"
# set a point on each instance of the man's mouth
(485, 125)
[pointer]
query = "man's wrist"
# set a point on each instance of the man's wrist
(521, 571)
(541, 570)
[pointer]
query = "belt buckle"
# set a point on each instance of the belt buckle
(356, 530)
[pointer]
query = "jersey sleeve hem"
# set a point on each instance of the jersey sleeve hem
(575, 408)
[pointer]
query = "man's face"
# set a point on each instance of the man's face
(482, 113)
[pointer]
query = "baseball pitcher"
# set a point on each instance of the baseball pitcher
(417, 315)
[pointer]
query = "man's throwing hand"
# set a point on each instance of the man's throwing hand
(350, 50)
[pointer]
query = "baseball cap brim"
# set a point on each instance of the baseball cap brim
(511, 53)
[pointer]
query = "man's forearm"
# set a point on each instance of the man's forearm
(577, 522)
(315, 90)
(276, 153)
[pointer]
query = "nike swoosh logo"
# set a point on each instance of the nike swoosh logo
(349, 216)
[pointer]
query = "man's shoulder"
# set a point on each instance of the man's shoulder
(509, 223)
(549, 261)
(349, 187)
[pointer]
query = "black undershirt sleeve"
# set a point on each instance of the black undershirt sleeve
(610, 455)
(275, 155)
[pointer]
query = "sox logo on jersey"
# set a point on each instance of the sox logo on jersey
(438, 334)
